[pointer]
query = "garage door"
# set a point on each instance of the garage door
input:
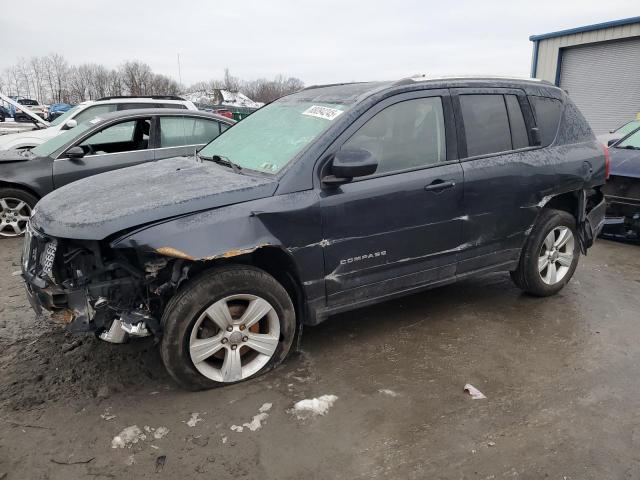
(604, 81)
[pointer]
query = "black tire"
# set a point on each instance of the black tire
(527, 276)
(19, 194)
(198, 294)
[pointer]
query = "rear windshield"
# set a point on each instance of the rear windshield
(547, 112)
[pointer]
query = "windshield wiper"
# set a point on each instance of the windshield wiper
(630, 147)
(221, 160)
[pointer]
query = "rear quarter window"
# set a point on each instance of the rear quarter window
(547, 112)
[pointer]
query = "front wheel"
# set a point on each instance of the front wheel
(225, 326)
(550, 255)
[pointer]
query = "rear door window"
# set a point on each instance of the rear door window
(547, 112)
(486, 124)
(519, 137)
(181, 131)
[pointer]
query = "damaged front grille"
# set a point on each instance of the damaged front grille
(48, 257)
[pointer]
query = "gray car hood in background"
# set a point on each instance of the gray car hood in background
(15, 156)
(99, 206)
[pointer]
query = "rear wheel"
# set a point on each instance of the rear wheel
(550, 255)
(227, 325)
(16, 207)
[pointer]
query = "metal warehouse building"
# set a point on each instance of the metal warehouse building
(599, 65)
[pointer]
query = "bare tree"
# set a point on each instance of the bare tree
(52, 79)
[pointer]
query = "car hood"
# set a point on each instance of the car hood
(42, 134)
(14, 156)
(625, 163)
(99, 206)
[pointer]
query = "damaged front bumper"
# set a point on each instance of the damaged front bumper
(84, 294)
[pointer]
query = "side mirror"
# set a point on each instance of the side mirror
(536, 140)
(69, 124)
(612, 141)
(350, 163)
(75, 152)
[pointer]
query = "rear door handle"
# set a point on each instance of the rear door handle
(439, 185)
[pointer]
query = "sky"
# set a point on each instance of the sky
(324, 41)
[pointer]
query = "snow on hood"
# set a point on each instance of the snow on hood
(222, 97)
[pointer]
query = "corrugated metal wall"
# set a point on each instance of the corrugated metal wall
(548, 48)
(603, 79)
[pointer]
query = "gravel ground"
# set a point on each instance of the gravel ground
(559, 375)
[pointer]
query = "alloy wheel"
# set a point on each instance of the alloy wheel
(14, 215)
(234, 338)
(556, 255)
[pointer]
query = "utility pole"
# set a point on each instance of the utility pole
(179, 71)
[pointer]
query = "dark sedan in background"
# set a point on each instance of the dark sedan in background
(622, 191)
(109, 142)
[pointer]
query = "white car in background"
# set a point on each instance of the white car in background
(85, 111)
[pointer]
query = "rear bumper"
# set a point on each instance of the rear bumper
(596, 217)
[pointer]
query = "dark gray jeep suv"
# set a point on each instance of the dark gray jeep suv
(326, 200)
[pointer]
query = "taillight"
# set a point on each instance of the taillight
(607, 162)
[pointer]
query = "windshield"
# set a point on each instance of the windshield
(63, 118)
(47, 148)
(627, 128)
(271, 137)
(631, 142)
(29, 103)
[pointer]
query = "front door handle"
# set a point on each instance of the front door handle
(439, 185)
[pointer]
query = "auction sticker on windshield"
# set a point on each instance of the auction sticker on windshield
(319, 111)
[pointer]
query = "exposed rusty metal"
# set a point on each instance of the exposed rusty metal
(64, 317)
(174, 252)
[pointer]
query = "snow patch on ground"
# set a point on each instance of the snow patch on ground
(256, 421)
(314, 406)
(107, 415)
(127, 437)
(386, 391)
(193, 421)
(160, 432)
(474, 392)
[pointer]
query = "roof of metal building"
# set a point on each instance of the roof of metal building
(586, 28)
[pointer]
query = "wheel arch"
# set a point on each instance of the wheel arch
(19, 186)
(568, 202)
(272, 259)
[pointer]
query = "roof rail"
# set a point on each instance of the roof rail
(424, 78)
(154, 97)
(312, 87)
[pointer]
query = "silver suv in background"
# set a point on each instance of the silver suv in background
(85, 111)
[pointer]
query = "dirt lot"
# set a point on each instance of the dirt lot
(560, 375)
